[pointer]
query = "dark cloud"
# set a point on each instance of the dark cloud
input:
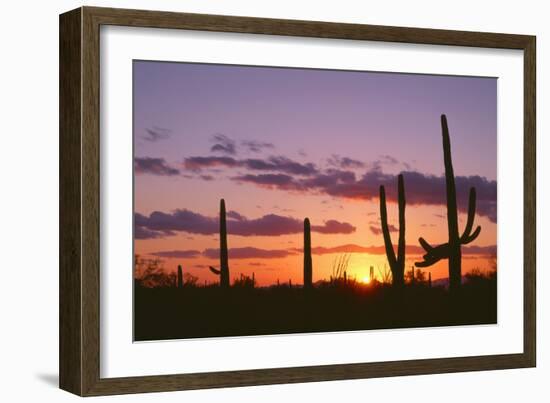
(412, 250)
(329, 178)
(178, 254)
(257, 146)
(198, 163)
(155, 134)
(273, 181)
(250, 253)
(420, 189)
(280, 164)
(159, 224)
(268, 225)
(376, 230)
(153, 166)
(345, 162)
(334, 227)
(179, 220)
(144, 233)
(272, 164)
(386, 161)
(223, 144)
(236, 216)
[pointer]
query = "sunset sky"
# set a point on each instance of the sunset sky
(282, 144)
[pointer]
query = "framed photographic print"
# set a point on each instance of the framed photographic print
(249, 201)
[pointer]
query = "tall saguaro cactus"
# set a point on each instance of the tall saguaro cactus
(224, 258)
(180, 276)
(452, 249)
(223, 272)
(397, 263)
(308, 263)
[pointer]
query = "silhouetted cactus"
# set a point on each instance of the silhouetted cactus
(397, 263)
(180, 277)
(308, 263)
(430, 280)
(223, 272)
(452, 249)
(224, 258)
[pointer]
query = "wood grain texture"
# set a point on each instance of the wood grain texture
(80, 195)
(530, 202)
(70, 106)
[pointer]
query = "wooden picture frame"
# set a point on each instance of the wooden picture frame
(79, 201)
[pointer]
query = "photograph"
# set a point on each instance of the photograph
(276, 200)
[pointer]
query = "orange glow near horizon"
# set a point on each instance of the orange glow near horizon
(268, 270)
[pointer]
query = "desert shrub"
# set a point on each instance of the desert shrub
(150, 273)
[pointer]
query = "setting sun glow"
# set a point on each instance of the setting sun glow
(366, 280)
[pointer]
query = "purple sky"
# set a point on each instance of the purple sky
(375, 111)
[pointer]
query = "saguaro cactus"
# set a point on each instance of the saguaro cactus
(308, 263)
(224, 257)
(223, 272)
(397, 263)
(180, 276)
(452, 249)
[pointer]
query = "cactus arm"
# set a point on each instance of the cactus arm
(425, 263)
(434, 254)
(214, 270)
(467, 235)
(427, 247)
(472, 237)
(429, 260)
(385, 229)
(471, 213)
(441, 251)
